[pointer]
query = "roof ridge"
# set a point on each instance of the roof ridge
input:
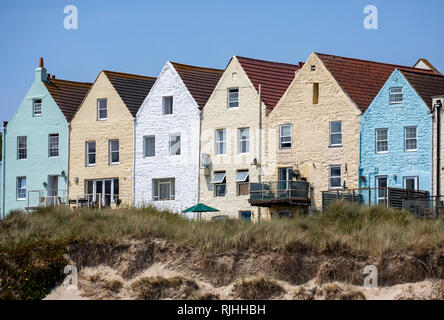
(268, 61)
(129, 74)
(70, 81)
(421, 72)
(195, 67)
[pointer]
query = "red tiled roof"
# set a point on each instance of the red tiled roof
(274, 78)
(199, 81)
(426, 85)
(361, 79)
(132, 88)
(67, 94)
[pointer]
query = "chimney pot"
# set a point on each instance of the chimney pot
(48, 76)
(53, 76)
(41, 65)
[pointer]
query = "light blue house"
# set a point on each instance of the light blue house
(35, 143)
(396, 135)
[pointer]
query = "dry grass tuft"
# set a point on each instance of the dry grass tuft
(257, 289)
(156, 288)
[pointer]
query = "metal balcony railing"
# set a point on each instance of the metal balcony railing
(279, 192)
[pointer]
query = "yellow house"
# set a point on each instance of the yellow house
(233, 149)
(101, 157)
(316, 125)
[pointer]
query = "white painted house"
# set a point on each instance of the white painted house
(167, 134)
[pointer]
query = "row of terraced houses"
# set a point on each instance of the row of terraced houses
(257, 140)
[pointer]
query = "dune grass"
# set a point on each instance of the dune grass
(367, 230)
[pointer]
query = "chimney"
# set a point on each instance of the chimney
(53, 76)
(300, 64)
(40, 72)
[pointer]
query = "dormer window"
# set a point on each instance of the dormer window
(167, 105)
(37, 107)
(102, 109)
(396, 95)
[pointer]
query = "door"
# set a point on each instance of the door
(285, 175)
(381, 192)
(53, 186)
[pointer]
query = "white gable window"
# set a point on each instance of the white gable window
(167, 105)
(220, 186)
(22, 148)
(233, 97)
(244, 140)
(53, 142)
(175, 145)
(335, 177)
(149, 146)
(335, 133)
(382, 140)
(411, 139)
(221, 143)
(396, 95)
(102, 109)
(21, 188)
(90, 153)
(285, 131)
(164, 189)
(114, 152)
(37, 107)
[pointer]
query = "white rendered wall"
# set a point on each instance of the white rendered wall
(185, 121)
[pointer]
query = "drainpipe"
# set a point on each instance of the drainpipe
(200, 155)
(437, 107)
(134, 161)
(259, 162)
(3, 169)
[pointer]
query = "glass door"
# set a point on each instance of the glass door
(381, 192)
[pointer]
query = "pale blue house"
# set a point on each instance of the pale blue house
(396, 134)
(36, 142)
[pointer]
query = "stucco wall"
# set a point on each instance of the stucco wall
(38, 165)
(396, 162)
(311, 153)
(85, 127)
(185, 121)
(217, 115)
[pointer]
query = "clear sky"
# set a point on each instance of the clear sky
(138, 36)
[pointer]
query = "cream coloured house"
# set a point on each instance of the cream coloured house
(101, 157)
(317, 122)
(233, 148)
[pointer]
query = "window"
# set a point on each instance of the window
(150, 146)
(22, 148)
(381, 185)
(174, 145)
(411, 183)
(219, 181)
(53, 143)
(90, 153)
(335, 177)
(114, 152)
(285, 176)
(313, 68)
(21, 188)
(163, 189)
(242, 182)
(335, 133)
(381, 140)
(167, 105)
(221, 144)
(233, 98)
(244, 140)
(37, 107)
(285, 214)
(396, 95)
(411, 139)
(315, 93)
(245, 216)
(102, 109)
(285, 136)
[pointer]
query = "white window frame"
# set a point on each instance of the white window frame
(111, 151)
(232, 100)
(88, 164)
(246, 140)
(100, 108)
(416, 178)
(25, 148)
(381, 140)
(392, 94)
(335, 133)
(164, 105)
(282, 136)
(34, 104)
(221, 142)
(222, 176)
(171, 137)
(53, 147)
(164, 181)
(330, 177)
(145, 144)
(18, 188)
(408, 139)
(242, 177)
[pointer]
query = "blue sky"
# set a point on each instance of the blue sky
(139, 36)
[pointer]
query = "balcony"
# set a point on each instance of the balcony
(267, 194)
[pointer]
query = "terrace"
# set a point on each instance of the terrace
(267, 194)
